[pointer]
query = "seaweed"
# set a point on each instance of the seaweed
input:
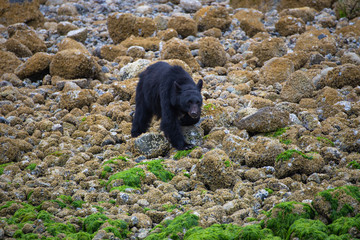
(158, 170)
(131, 177)
(286, 155)
(308, 229)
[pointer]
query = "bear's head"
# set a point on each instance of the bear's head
(188, 98)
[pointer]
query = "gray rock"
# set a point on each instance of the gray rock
(152, 145)
(266, 119)
(132, 70)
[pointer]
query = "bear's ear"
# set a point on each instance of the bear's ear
(173, 95)
(200, 84)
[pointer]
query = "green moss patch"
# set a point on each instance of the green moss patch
(158, 169)
(2, 167)
(31, 166)
(182, 153)
(325, 140)
(131, 177)
(286, 155)
(353, 164)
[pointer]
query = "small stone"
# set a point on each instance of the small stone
(190, 5)
(78, 34)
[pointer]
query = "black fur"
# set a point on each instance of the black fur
(170, 93)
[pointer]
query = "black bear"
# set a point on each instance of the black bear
(170, 93)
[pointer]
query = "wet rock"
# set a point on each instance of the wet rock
(122, 26)
(17, 47)
(8, 62)
(316, 40)
(268, 49)
(347, 74)
(132, 70)
(289, 25)
(215, 170)
(152, 145)
(298, 163)
(177, 49)
(250, 21)
(211, 16)
(36, 67)
(298, 86)
(77, 98)
(21, 11)
(73, 64)
(276, 70)
(183, 25)
(266, 119)
(211, 52)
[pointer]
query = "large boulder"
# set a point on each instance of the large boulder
(21, 11)
(211, 16)
(8, 62)
(30, 40)
(183, 25)
(36, 67)
(316, 40)
(250, 21)
(298, 86)
(212, 52)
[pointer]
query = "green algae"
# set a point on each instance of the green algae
(325, 140)
(182, 153)
(308, 229)
(93, 222)
(175, 228)
(31, 166)
(285, 217)
(286, 155)
(342, 225)
(353, 164)
(131, 177)
(3, 166)
(158, 169)
(214, 232)
(331, 196)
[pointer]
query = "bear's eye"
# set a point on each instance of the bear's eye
(190, 102)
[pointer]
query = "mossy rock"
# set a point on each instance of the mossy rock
(158, 170)
(338, 202)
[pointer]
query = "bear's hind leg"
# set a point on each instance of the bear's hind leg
(141, 120)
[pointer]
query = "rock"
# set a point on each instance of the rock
(289, 25)
(350, 30)
(30, 40)
(67, 9)
(17, 47)
(298, 163)
(13, 149)
(298, 86)
(72, 64)
(215, 170)
(254, 174)
(21, 11)
(36, 67)
(307, 14)
(348, 140)
(344, 75)
(310, 121)
(184, 26)
(64, 27)
(268, 49)
(132, 70)
(8, 62)
(242, 76)
(193, 135)
(78, 34)
(211, 52)
(213, 32)
(77, 98)
(316, 40)
(190, 5)
(276, 70)
(250, 21)
(349, 9)
(68, 43)
(350, 57)
(135, 52)
(151, 43)
(152, 145)
(167, 34)
(266, 119)
(299, 58)
(177, 49)
(211, 16)
(236, 147)
(110, 52)
(122, 26)
(265, 151)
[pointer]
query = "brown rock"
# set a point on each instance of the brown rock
(211, 52)
(73, 64)
(265, 151)
(135, 52)
(276, 70)
(299, 58)
(351, 30)
(183, 25)
(266, 119)
(344, 75)
(213, 32)
(211, 16)
(289, 25)
(110, 52)
(151, 43)
(256, 102)
(68, 43)
(242, 76)
(349, 9)
(36, 67)
(215, 170)
(316, 40)
(30, 40)
(307, 14)
(17, 47)
(21, 11)
(77, 98)
(122, 26)
(177, 49)
(269, 48)
(12, 150)
(250, 21)
(167, 34)
(152, 145)
(67, 9)
(64, 27)
(8, 62)
(298, 86)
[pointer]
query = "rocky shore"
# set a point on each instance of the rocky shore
(278, 142)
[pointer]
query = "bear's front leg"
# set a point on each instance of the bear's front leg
(172, 130)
